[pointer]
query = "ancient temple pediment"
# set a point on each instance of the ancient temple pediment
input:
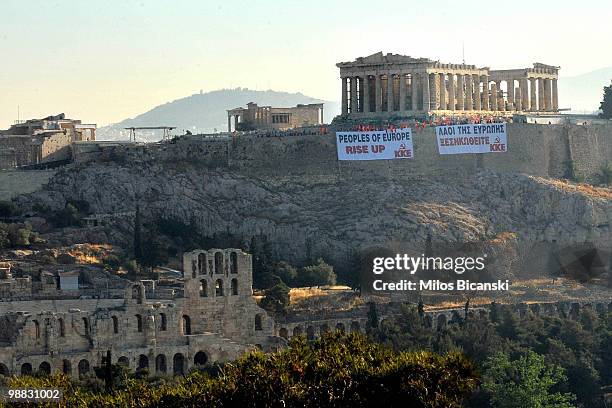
(389, 58)
(546, 66)
(374, 58)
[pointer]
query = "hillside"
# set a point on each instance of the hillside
(583, 93)
(206, 112)
(293, 191)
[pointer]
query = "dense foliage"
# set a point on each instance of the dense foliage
(8, 209)
(276, 299)
(339, 370)
(577, 353)
(525, 382)
(16, 235)
(606, 103)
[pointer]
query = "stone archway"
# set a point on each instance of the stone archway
(44, 368)
(283, 333)
(66, 367)
(160, 364)
(186, 325)
(143, 362)
(124, 361)
(178, 364)
(441, 321)
(26, 369)
(200, 359)
(310, 333)
(83, 367)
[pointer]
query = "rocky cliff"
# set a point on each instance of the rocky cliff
(335, 215)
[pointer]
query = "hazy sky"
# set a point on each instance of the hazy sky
(104, 61)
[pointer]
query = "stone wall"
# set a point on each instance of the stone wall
(23, 150)
(356, 320)
(209, 324)
(56, 147)
(540, 150)
(16, 182)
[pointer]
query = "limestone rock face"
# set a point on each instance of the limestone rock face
(335, 216)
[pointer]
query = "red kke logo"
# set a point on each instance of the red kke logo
(402, 152)
(497, 146)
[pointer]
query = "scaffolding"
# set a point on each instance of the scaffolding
(166, 129)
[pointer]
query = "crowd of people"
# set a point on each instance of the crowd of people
(434, 121)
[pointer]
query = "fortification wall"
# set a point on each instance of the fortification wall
(16, 182)
(542, 150)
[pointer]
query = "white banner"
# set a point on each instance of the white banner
(375, 145)
(475, 138)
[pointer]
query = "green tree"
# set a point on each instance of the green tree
(16, 235)
(138, 253)
(285, 272)
(67, 217)
(606, 103)
(510, 325)
(525, 382)
(372, 316)
(338, 370)
(318, 274)
(605, 174)
(5, 242)
(276, 299)
(261, 252)
(605, 355)
(8, 209)
(407, 333)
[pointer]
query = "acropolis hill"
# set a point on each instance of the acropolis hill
(293, 189)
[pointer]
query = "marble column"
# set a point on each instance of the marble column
(460, 92)
(229, 123)
(442, 81)
(499, 97)
(477, 96)
(510, 93)
(353, 95)
(493, 96)
(451, 92)
(518, 106)
(426, 93)
(344, 97)
(402, 92)
(365, 95)
(548, 95)
(485, 93)
(524, 90)
(541, 102)
(389, 93)
(415, 91)
(434, 96)
(469, 93)
(378, 93)
(555, 96)
(533, 103)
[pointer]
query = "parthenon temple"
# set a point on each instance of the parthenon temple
(398, 84)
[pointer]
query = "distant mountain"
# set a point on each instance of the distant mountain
(206, 112)
(583, 93)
